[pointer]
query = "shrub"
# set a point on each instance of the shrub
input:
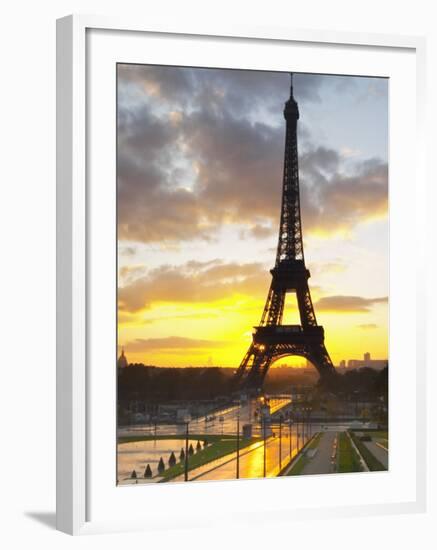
(133, 475)
(161, 465)
(148, 471)
(191, 449)
(172, 460)
(198, 447)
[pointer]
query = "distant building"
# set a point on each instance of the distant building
(367, 361)
(342, 364)
(122, 360)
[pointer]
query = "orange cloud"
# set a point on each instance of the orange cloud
(348, 304)
(193, 282)
(141, 345)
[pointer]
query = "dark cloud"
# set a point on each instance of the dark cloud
(202, 88)
(348, 304)
(204, 160)
(332, 201)
(193, 282)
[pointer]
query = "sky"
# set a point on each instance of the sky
(199, 180)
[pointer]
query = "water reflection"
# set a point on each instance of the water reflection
(137, 454)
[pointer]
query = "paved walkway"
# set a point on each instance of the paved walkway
(320, 463)
(251, 461)
(378, 452)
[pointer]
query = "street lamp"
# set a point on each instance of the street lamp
(310, 423)
(221, 420)
(290, 433)
(263, 421)
(238, 443)
(297, 433)
(186, 452)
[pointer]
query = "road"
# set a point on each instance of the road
(321, 462)
(252, 459)
(378, 452)
(220, 422)
(136, 454)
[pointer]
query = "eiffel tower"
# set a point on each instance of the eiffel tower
(271, 339)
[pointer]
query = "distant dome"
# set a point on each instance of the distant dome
(122, 361)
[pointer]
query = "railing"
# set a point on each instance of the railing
(279, 329)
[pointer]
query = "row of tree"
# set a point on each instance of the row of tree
(171, 460)
(158, 385)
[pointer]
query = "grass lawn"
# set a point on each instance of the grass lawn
(348, 460)
(201, 437)
(299, 466)
(218, 448)
(313, 444)
(303, 460)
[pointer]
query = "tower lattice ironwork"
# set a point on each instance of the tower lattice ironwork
(272, 340)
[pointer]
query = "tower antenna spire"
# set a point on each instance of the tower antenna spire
(291, 84)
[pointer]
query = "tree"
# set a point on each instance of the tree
(172, 460)
(148, 471)
(182, 455)
(133, 475)
(205, 443)
(198, 447)
(191, 449)
(161, 465)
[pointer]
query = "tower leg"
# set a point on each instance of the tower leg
(244, 367)
(254, 367)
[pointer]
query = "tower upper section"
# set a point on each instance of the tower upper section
(290, 244)
(291, 110)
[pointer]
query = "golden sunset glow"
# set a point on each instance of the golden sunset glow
(199, 190)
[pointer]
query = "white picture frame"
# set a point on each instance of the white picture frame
(74, 394)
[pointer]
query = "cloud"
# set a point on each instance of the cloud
(348, 304)
(336, 266)
(192, 156)
(127, 251)
(193, 282)
(333, 202)
(368, 326)
(130, 272)
(190, 316)
(242, 90)
(141, 345)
